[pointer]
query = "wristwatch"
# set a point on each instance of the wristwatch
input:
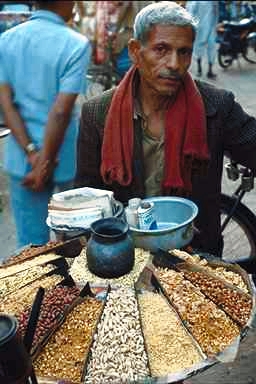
(30, 148)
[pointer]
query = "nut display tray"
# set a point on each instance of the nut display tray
(149, 282)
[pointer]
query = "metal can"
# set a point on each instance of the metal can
(146, 216)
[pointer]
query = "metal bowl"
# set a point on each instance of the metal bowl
(174, 217)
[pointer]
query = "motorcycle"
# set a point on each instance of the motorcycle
(236, 39)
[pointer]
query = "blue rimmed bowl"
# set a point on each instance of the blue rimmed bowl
(174, 217)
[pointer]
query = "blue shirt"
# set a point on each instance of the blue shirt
(39, 59)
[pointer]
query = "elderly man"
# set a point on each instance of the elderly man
(162, 133)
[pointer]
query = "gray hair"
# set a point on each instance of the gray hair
(161, 13)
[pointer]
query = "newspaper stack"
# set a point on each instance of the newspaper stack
(78, 208)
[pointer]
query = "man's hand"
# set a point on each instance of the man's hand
(39, 176)
(33, 158)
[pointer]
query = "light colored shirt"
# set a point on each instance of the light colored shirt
(39, 59)
(153, 157)
(15, 8)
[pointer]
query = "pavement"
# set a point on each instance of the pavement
(240, 79)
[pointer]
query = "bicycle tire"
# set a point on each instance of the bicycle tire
(249, 51)
(240, 233)
(224, 61)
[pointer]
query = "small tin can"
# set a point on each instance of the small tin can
(146, 216)
(131, 212)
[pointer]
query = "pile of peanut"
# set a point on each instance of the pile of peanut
(236, 303)
(64, 355)
(170, 348)
(209, 325)
(118, 354)
(54, 303)
(228, 275)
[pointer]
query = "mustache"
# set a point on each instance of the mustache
(170, 75)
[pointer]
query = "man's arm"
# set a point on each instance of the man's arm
(14, 121)
(89, 147)
(240, 134)
(58, 121)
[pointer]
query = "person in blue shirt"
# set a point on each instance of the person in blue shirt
(43, 66)
(206, 13)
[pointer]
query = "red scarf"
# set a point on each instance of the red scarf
(185, 137)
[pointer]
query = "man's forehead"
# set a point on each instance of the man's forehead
(170, 33)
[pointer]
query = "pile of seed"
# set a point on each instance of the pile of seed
(118, 354)
(54, 303)
(81, 274)
(170, 348)
(210, 326)
(15, 282)
(19, 301)
(64, 354)
(236, 303)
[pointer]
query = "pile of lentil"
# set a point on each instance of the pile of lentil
(170, 348)
(64, 355)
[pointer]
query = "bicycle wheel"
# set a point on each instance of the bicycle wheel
(240, 233)
(224, 60)
(249, 51)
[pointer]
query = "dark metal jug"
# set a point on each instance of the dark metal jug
(110, 249)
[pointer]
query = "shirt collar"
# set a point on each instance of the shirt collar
(48, 15)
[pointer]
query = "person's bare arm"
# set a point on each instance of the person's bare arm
(58, 120)
(14, 121)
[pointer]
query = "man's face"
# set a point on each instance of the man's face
(164, 60)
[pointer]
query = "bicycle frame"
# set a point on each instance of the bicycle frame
(246, 185)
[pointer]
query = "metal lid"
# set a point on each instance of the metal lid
(8, 326)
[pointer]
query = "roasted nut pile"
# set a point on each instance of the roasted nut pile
(230, 276)
(15, 282)
(210, 326)
(170, 348)
(81, 274)
(17, 302)
(53, 305)
(30, 252)
(64, 355)
(237, 304)
(118, 354)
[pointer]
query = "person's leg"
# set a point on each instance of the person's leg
(199, 50)
(211, 54)
(199, 67)
(30, 210)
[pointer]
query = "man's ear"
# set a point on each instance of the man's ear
(134, 48)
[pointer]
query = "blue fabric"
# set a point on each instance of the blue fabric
(123, 62)
(15, 8)
(30, 211)
(206, 12)
(39, 59)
